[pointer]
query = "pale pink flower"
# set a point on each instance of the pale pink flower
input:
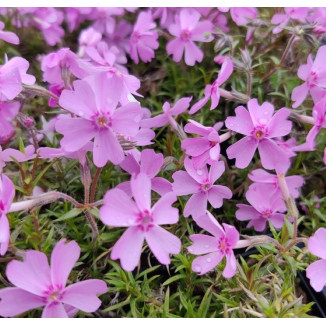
(143, 222)
(265, 207)
(9, 153)
(8, 111)
(94, 102)
(212, 91)
(12, 75)
(9, 37)
(143, 39)
(214, 248)
(7, 193)
(259, 125)
(205, 149)
(316, 271)
(149, 163)
(200, 183)
(168, 113)
(187, 29)
(39, 285)
(314, 75)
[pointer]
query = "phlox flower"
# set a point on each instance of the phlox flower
(8, 111)
(88, 38)
(297, 13)
(93, 101)
(187, 29)
(314, 75)
(294, 182)
(265, 207)
(7, 193)
(7, 154)
(9, 37)
(200, 183)
(214, 248)
(142, 222)
(318, 120)
(259, 125)
(12, 75)
(39, 285)
(150, 164)
(205, 149)
(212, 91)
(143, 39)
(316, 271)
(119, 37)
(241, 15)
(168, 113)
(59, 63)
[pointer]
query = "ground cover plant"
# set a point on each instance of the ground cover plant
(144, 152)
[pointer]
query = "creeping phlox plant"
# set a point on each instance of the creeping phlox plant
(166, 161)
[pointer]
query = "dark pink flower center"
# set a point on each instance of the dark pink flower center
(102, 121)
(206, 186)
(145, 221)
(312, 79)
(135, 37)
(266, 214)
(185, 35)
(260, 132)
(2, 207)
(223, 245)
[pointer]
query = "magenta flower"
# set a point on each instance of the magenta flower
(200, 183)
(205, 149)
(259, 125)
(143, 39)
(316, 271)
(7, 194)
(143, 222)
(294, 182)
(9, 37)
(212, 91)
(94, 101)
(214, 248)
(39, 285)
(150, 164)
(314, 75)
(12, 75)
(265, 207)
(188, 29)
(167, 117)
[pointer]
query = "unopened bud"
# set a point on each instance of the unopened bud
(168, 160)
(36, 90)
(126, 143)
(240, 97)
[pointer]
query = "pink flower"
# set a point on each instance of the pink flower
(143, 222)
(259, 125)
(7, 193)
(318, 120)
(12, 76)
(212, 91)
(143, 39)
(119, 37)
(316, 271)
(214, 248)
(188, 29)
(150, 164)
(8, 111)
(282, 20)
(94, 102)
(57, 64)
(261, 176)
(39, 285)
(167, 117)
(7, 154)
(9, 37)
(314, 75)
(205, 149)
(265, 207)
(200, 183)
